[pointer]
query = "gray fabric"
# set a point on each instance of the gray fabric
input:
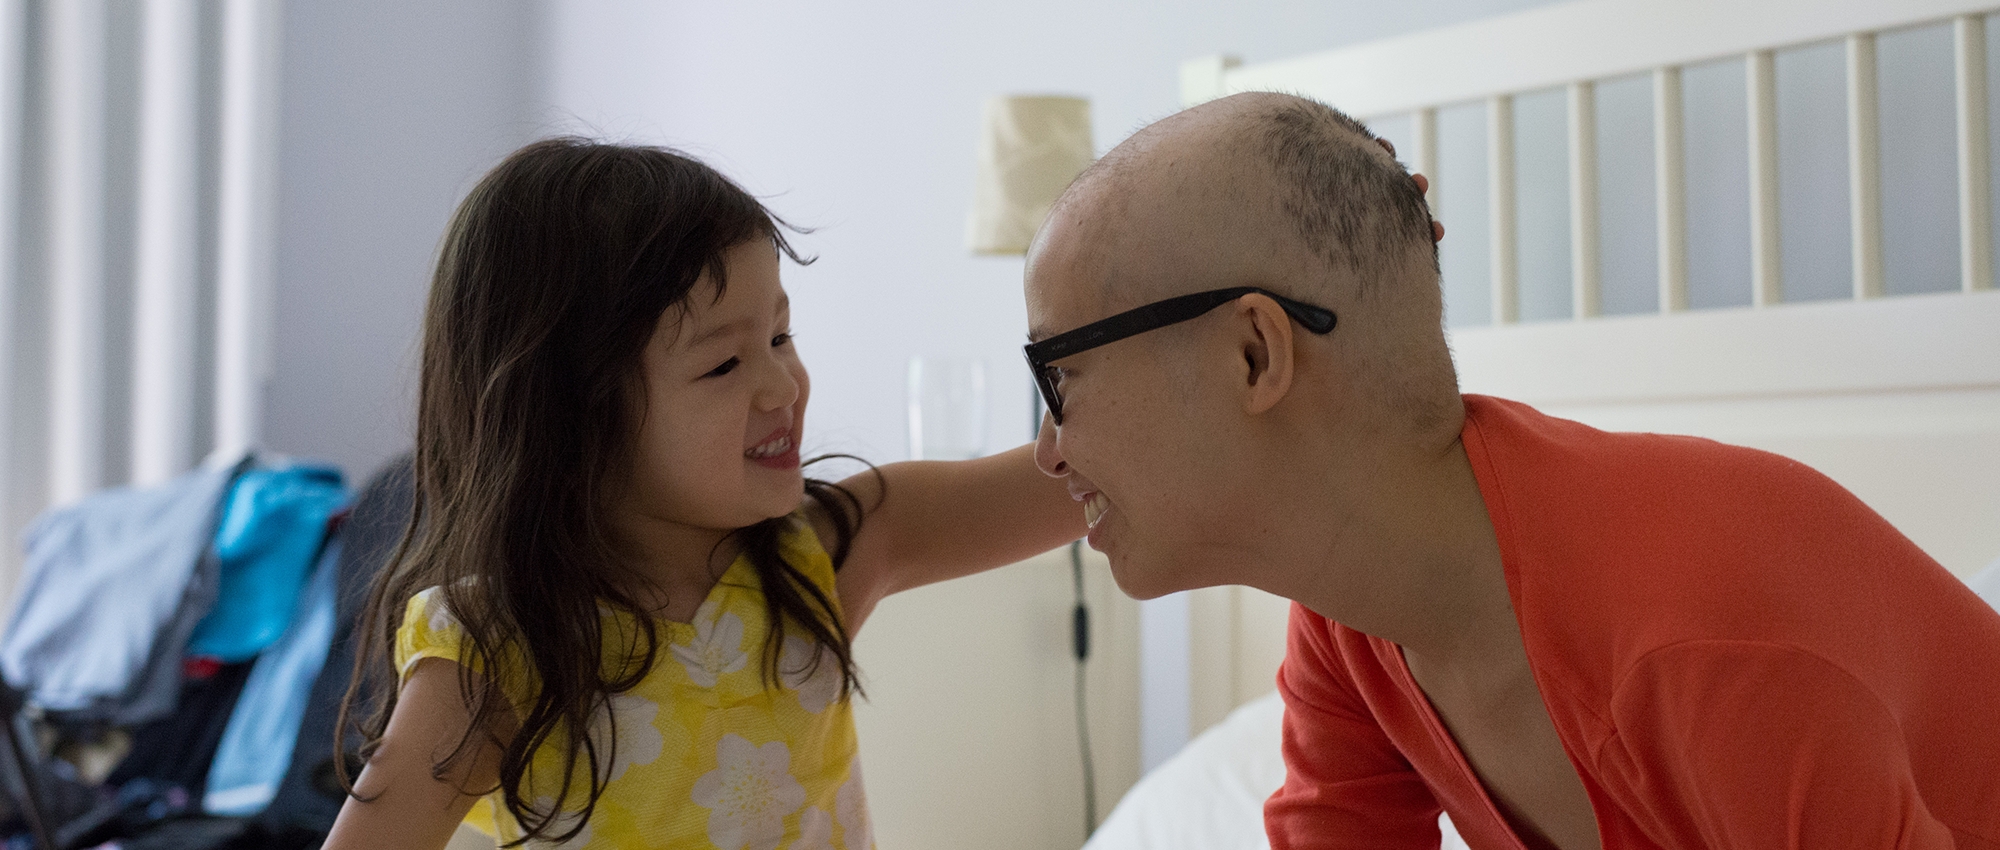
(113, 586)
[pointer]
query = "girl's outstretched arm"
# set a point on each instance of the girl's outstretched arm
(935, 520)
(402, 805)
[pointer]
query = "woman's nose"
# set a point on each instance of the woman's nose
(1048, 455)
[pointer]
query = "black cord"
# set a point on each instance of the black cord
(1080, 645)
(1080, 632)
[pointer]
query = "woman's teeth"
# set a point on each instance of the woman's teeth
(771, 449)
(1094, 508)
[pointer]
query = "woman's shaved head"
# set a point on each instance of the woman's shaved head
(1349, 200)
(1269, 190)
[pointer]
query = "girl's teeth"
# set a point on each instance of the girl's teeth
(771, 449)
(1094, 508)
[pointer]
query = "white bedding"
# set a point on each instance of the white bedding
(1210, 795)
(1986, 583)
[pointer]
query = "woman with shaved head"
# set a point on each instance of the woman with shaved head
(1562, 637)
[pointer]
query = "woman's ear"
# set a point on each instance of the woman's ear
(1267, 352)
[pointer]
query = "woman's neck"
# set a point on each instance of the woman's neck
(1411, 558)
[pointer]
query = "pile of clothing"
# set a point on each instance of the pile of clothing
(177, 656)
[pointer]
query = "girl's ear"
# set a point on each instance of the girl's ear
(1266, 347)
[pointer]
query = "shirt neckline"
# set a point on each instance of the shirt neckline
(1473, 439)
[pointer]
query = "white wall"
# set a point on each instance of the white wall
(390, 111)
(859, 119)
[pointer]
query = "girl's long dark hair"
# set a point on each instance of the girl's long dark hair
(551, 279)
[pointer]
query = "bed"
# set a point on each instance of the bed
(1768, 222)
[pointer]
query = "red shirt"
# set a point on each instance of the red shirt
(1736, 652)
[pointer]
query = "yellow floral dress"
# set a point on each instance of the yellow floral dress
(708, 756)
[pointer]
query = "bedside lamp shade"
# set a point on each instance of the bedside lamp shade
(1030, 149)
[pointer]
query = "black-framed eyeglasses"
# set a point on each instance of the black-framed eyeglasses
(1138, 320)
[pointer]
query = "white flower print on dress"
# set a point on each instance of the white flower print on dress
(813, 676)
(441, 619)
(717, 649)
(749, 794)
(815, 830)
(639, 739)
(850, 806)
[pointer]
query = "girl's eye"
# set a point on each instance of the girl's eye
(781, 339)
(724, 369)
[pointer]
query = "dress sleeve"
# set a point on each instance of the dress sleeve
(429, 630)
(1751, 744)
(1346, 784)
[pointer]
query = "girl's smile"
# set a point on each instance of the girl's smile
(778, 451)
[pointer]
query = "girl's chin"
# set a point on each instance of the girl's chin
(783, 501)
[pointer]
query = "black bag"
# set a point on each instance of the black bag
(310, 795)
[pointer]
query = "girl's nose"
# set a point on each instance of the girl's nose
(779, 388)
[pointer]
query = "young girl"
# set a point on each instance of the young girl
(623, 617)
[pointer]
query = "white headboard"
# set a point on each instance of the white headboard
(1895, 396)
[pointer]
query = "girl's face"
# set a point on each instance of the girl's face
(718, 438)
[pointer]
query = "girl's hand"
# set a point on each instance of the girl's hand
(406, 806)
(934, 520)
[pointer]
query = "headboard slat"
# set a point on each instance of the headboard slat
(1670, 187)
(1766, 273)
(1502, 210)
(1975, 215)
(1424, 129)
(1586, 298)
(1864, 165)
